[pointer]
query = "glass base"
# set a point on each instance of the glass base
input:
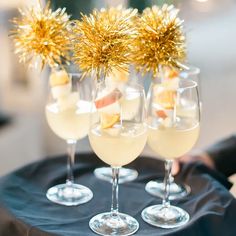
(69, 194)
(165, 217)
(108, 224)
(125, 174)
(156, 188)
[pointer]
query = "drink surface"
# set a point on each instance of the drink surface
(118, 146)
(69, 120)
(173, 142)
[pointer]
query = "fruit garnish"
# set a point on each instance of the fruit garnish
(119, 76)
(112, 97)
(170, 73)
(130, 103)
(161, 114)
(166, 98)
(168, 122)
(173, 74)
(109, 120)
(58, 78)
(69, 101)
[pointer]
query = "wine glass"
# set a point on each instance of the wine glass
(173, 129)
(117, 136)
(180, 190)
(118, 79)
(67, 111)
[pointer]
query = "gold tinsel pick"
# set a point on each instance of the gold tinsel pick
(159, 40)
(103, 40)
(41, 33)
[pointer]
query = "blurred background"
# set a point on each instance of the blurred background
(211, 32)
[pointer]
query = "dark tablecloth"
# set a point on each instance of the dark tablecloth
(25, 211)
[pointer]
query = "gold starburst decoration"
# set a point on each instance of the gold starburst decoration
(103, 40)
(159, 40)
(41, 33)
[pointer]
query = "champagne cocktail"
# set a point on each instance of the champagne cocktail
(68, 111)
(172, 132)
(180, 190)
(117, 138)
(130, 102)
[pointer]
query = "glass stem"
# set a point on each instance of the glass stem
(71, 145)
(172, 179)
(168, 166)
(115, 190)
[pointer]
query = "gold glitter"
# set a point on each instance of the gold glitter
(159, 40)
(103, 40)
(41, 33)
